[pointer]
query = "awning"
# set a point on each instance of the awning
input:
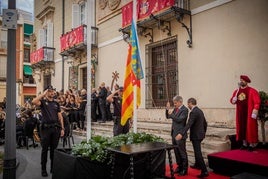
(28, 29)
(27, 69)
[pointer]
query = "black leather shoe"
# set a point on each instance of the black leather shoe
(195, 167)
(203, 175)
(243, 147)
(44, 173)
(250, 148)
(183, 172)
(177, 170)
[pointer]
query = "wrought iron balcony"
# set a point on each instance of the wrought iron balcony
(160, 18)
(41, 57)
(75, 41)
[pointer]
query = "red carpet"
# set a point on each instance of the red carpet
(258, 157)
(237, 161)
(192, 173)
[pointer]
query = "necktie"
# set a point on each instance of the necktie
(177, 110)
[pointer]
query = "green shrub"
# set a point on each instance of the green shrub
(263, 111)
(96, 148)
(1, 161)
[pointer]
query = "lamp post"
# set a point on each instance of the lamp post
(90, 7)
(9, 169)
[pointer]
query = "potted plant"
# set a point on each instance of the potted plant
(263, 113)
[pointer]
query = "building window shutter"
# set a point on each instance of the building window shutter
(4, 39)
(83, 13)
(50, 34)
(75, 16)
(41, 38)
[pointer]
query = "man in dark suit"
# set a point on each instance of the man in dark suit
(198, 127)
(179, 116)
(102, 95)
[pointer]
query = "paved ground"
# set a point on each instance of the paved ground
(29, 161)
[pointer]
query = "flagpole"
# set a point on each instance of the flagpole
(134, 16)
(90, 4)
(135, 121)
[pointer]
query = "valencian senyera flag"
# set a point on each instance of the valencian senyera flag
(133, 74)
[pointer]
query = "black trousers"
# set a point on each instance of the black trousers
(118, 128)
(199, 160)
(94, 111)
(103, 112)
(180, 153)
(49, 139)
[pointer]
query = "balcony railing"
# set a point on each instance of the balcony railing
(28, 80)
(75, 40)
(149, 18)
(42, 56)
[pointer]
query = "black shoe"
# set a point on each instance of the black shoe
(102, 121)
(203, 175)
(19, 146)
(177, 170)
(243, 147)
(250, 148)
(195, 167)
(183, 172)
(44, 173)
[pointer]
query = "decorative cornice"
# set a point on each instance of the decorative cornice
(47, 10)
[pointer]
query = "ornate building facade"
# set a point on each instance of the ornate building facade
(25, 84)
(188, 47)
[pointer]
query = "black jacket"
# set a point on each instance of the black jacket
(197, 124)
(178, 120)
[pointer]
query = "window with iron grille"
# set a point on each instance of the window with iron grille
(161, 72)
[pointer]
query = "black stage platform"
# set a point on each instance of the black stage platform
(234, 162)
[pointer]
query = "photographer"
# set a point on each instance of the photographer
(116, 99)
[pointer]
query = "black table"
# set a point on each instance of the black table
(133, 149)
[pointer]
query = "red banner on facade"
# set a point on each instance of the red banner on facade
(144, 9)
(127, 11)
(37, 56)
(72, 38)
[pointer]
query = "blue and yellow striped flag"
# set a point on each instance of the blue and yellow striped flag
(135, 53)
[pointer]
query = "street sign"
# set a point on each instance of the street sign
(10, 17)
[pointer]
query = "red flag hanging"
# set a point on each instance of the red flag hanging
(127, 101)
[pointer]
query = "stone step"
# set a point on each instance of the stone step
(161, 129)
(215, 140)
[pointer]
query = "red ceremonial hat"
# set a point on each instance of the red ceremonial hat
(245, 78)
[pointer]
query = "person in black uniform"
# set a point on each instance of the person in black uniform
(51, 127)
(116, 99)
(94, 105)
(179, 116)
(102, 95)
(198, 127)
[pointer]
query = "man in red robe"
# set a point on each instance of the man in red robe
(247, 102)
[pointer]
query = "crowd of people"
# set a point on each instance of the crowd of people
(73, 107)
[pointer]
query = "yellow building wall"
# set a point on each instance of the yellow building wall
(228, 40)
